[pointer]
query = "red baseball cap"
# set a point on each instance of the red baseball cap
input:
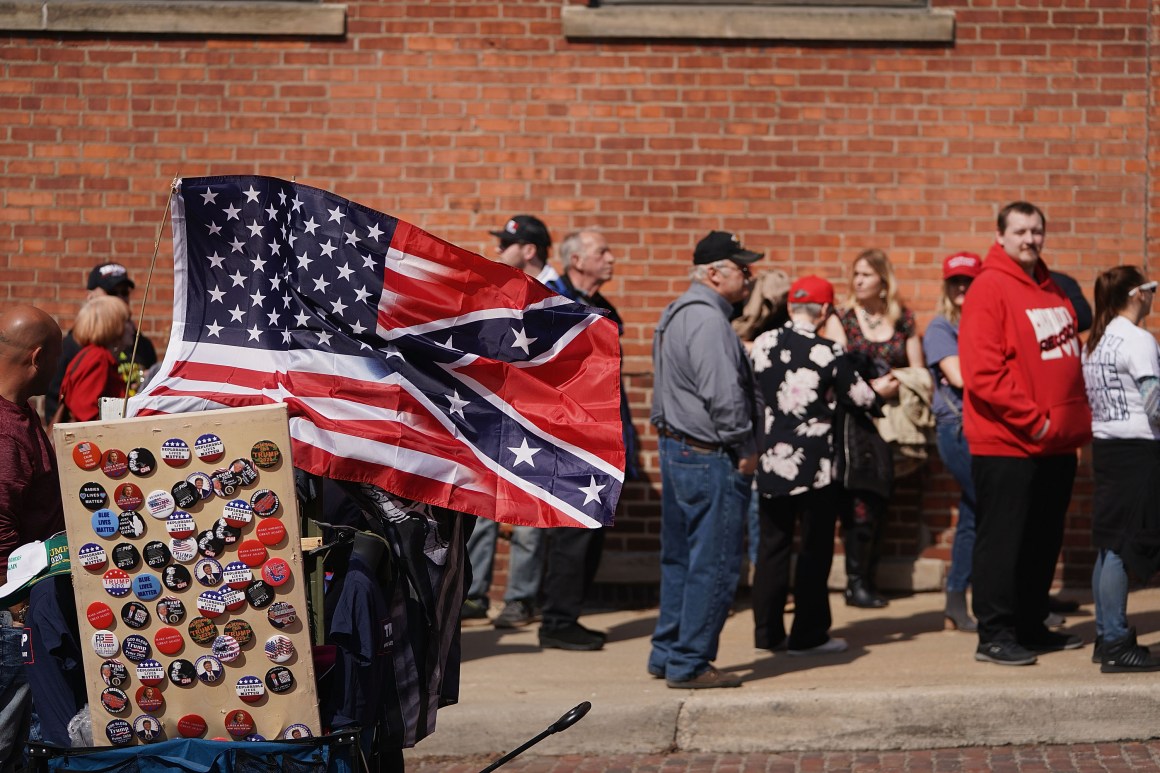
(811, 289)
(966, 264)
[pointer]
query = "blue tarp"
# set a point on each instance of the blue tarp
(333, 754)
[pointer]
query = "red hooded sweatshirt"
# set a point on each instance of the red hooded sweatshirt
(1020, 354)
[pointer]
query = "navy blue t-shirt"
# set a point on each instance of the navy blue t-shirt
(52, 657)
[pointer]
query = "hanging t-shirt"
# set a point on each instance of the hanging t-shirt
(52, 657)
(1125, 355)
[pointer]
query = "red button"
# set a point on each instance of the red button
(276, 572)
(86, 455)
(271, 532)
(191, 726)
(252, 553)
(99, 614)
(239, 723)
(169, 640)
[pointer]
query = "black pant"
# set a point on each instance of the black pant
(1022, 502)
(817, 511)
(573, 556)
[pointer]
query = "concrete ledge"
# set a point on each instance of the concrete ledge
(198, 17)
(882, 25)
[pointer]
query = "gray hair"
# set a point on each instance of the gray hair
(573, 245)
(813, 310)
(701, 270)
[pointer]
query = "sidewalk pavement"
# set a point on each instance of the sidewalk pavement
(904, 683)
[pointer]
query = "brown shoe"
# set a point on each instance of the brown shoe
(705, 680)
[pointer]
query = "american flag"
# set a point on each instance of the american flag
(405, 361)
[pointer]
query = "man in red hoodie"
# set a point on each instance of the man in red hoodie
(1025, 414)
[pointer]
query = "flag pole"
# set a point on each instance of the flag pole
(134, 369)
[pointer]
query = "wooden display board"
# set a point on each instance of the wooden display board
(124, 470)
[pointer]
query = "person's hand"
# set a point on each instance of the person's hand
(747, 465)
(886, 386)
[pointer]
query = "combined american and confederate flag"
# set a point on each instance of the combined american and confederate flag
(404, 361)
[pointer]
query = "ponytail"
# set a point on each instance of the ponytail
(1112, 288)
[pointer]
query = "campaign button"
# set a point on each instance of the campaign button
(281, 614)
(171, 610)
(106, 523)
(276, 572)
(209, 669)
(156, 554)
(142, 462)
(209, 544)
(114, 463)
(99, 615)
(241, 631)
(176, 577)
(191, 726)
(128, 496)
(175, 452)
(93, 496)
(237, 513)
(184, 494)
(149, 698)
(183, 550)
(226, 533)
(168, 640)
(117, 583)
(237, 575)
(135, 615)
(265, 454)
(225, 483)
(92, 556)
(252, 553)
(208, 572)
(86, 455)
(279, 648)
(182, 673)
(126, 556)
(119, 732)
(279, 679)
(297, 731)
(259, 594)
(244, 470)
(130, 524)
(265, 503)
(114, 700)
(254, 737)
(210, 603)
(209, 447)
(150, 672)
(136, 648)
(147, 728)
(180, 525)
(233, 599)
(203, 483)
(105, 643)
(225, 648)
(114, 673)
(250, 689)
(239, 723)
(146, 587)
(202, 630)
(271, 532)
(160, 504)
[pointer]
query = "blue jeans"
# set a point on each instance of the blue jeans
(15, 700)
(753, 525)
(952, 447)
(1110, 592)
(703, 515)
(526, 566)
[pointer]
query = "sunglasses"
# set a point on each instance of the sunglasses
(1147, 287)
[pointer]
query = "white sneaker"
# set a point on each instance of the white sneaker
(831, 647)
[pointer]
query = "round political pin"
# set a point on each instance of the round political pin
(202, 630)
(182, 673)
(86, 455)
(114, 700)
(114, 673)
(105, 522)
(92, 556)
(136, 648)
(276, 571)
(237, 575)
(150, 672)
(126, 556)
(191, 726)
(176, 577)
(117, 583)
(147, 728)
(184, 494)
(265, 454)
(203, 483)
(252, 553)
(114, 463)
(225, 483)
(160, 504)
(119, 732)
(279, 679)
(130, 524)
(142, 462)
(183, 550)
(208, 572)
(271, 532)
(180, 525)
(233, 599)
(250, 689)
(171, 610)
(168, 641)
(297, 731)
(239, 723)
(128, 496)
(135, 615)
(255, 738)
(146, 587)
(245, 471)
(241, 631)
(209, 544)
(99, 615)
(209, 447)
(279, 648)
(265, 503)
(237, 513)
(259, 594)
(209, 669)
(226, 533)
(175, 452)
(105, 643)
(93, 496)
(225, 648)
(210, 603)
(281, 614)
(156, 554)
(149, 698)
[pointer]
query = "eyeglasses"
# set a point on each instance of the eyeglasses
(745, 272)
(1147, 287)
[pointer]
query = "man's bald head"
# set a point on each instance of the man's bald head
(30, 343)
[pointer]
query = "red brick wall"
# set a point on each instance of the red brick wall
(456, 114)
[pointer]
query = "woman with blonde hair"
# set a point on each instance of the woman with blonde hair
(93, 374)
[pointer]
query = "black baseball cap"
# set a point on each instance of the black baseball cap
(524, 229)
(109, 276)
(722, 245)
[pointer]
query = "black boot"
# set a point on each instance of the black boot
(1126, 656)
(957, 617)
(860, 591)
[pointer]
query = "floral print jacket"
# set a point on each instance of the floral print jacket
(803, 377)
